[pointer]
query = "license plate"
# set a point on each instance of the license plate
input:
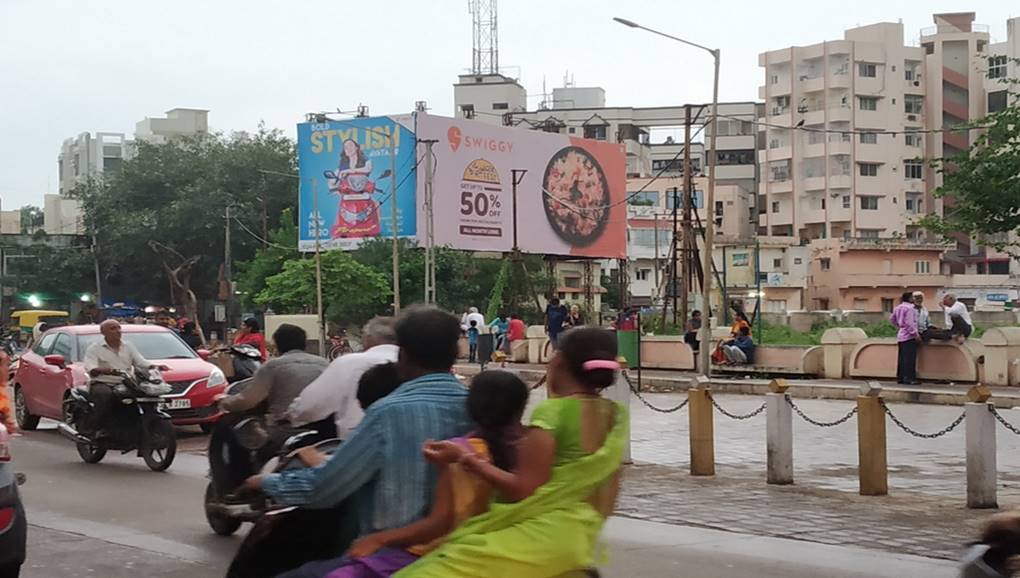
(183, 403)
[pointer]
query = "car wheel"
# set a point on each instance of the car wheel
(159, 449)
(91, 454)
(220, 523)
(26, 421)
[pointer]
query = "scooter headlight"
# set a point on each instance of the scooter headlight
(216, 378)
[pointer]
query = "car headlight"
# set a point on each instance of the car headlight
(216, 378)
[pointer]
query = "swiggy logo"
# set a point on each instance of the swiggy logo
(453, 136)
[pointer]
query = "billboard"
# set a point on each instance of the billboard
(571, 200)
(347, 179)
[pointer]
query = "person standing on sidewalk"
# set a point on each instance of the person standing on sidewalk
(904, 318)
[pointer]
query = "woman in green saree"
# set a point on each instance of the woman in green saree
(548, 512)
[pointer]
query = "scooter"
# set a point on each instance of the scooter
(137, 422)
(242, 445)
(358, 215)
(246, 359)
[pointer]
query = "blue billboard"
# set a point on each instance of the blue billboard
(349, 170)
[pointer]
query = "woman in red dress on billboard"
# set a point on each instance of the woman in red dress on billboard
(358, 215)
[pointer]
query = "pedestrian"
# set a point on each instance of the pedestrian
(517, 330)
(501, 326)
(472, 315)
(958, 320)
(691, 331)
(555, 315)
(191, 336)
(924, 328)
(904, 318)
(472, 337)
(574, 318)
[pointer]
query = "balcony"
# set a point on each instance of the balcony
(839, 145)
(812, 116)
(811, 216)
(840, 181)
(813, 150)
(840, 114)
(816, 84)
(814, 183)
(781, 152)
(839, 80)
(892, 280)
(775, 187)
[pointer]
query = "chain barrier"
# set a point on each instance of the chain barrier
(753, 413)
(815, 422)
(916, 433)
(1002, 420)
(648, 404)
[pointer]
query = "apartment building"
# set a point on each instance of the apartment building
(772, 268)
(828, 169)
(178, 122)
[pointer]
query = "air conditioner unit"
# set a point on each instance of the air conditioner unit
(912, 117)
(917, 82)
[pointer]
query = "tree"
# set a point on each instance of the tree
(176, 194)
(59, 275)
(982, 184)
(352, 293)
(32, 219)
(282, 247)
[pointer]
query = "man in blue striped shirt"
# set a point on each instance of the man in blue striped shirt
(382, 460)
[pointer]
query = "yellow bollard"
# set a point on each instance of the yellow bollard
(873, 469)
(702, 431)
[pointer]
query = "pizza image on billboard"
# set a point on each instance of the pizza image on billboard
(575, 193)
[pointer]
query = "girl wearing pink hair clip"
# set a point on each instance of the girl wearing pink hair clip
(549, 508)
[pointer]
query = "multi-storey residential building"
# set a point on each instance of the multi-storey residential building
(178, 122)
(827, 168)
(774, 266)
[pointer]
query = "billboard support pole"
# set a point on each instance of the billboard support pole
(320, 321)
(516, 177)
(430, 228)
(393, 219)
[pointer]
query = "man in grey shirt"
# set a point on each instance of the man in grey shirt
(279, 381)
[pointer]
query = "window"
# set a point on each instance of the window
(668, 165)
(572, 282)
(868, 169)
(867, 103)
(866, 69)
(500, 106)
(646, 238)
(718, 208)
(846, 201)
(562, 295)
(997, 66)
(797, 261)
(739, 157)
(779, 171)
(910, 73)
(62, 346)
(922, 266)
(913, 104)
(642, 274)
(775, 206)
(595, 132)
(773, 79)
(996, 101)
(824, 263)
(777, 263)
(913, 169)
(868, 233)
(887, 305)
(869, 203)
(643, 198)
(913, 140)
(697, 196)
(868, 138)
(914, 205)
(43, 347)
(740, 259)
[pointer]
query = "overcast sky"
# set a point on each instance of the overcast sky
(70, 66)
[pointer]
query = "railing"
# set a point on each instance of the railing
(948, 29)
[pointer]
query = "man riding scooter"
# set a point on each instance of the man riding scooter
(272, 390)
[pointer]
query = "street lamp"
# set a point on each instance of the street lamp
(705, 362)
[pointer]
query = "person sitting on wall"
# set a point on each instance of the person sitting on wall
(740, 351)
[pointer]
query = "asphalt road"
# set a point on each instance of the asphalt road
(118, 519)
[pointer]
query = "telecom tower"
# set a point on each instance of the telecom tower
(485, 37)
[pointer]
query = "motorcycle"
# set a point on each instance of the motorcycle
(246, 359)
(242, 445)
(137, 421)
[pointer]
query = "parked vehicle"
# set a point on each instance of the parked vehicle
(13, 525)
(136, 422)
(48, 372)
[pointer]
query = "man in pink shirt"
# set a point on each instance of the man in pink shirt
(904, 317)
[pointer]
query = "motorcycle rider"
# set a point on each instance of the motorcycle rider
(103, 361)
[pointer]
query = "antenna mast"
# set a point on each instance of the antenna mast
(485, 38)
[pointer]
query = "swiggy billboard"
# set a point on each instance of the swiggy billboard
(570, 200)
(348, 172)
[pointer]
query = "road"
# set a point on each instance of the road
(119, 519)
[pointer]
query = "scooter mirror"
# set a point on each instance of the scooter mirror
(329, 174)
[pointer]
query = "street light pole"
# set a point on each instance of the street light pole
(706, 291)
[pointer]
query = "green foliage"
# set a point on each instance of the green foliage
(59, 275)
(496, 295)
(251, 276)
(984, 181)
(32, 218)
(352, 293)
(176, 193)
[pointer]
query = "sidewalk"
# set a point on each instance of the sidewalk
(657, 380)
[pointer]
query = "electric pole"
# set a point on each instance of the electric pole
(686, 275)
(430, 228)
(228, 265)
(393, 219)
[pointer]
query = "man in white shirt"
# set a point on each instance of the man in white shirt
(103, 359)
(335, 391)
(472, 315)
(957, 318)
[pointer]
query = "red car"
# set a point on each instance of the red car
(48, 370)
